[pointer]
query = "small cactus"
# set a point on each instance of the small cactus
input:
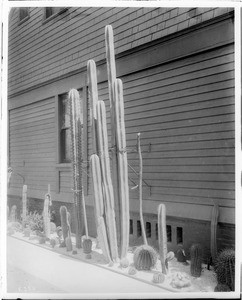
(196, 260)
(222, 288)
(145, 257)
(87, 246)
(53, 242)
(162, 236)
(158, 277)
(65, 226)
(124, 263)
(68, 243)
(181, 255)
(225, 268)
(132, 271)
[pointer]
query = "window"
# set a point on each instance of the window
(65, 130)
(23, 14)
(50, 12)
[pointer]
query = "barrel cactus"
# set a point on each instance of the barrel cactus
(145, 257)
(196, 260)
(225, 268)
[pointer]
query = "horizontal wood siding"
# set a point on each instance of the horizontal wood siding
(32, 146)
(40, 52)
(184, 111)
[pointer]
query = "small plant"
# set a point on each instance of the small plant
(132, 271)
(224, 268)
(124, 263)
(196, 260)
(35, 222)
(222, 288)
(158, 277)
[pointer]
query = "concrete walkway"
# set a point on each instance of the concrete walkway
(32, 269)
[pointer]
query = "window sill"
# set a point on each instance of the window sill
(63, 166)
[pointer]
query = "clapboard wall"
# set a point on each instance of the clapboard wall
(42, 51)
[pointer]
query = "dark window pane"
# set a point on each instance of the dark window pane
(23, 13)
(66, 145)
(48, 12)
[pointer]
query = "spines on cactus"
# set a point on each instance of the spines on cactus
(196, 260)
(214, 221)
(65, 225)
(99, 206)
(224, 268)
(106, 179)
(46, 216)
(145, 257)
(76, 122)
(119, 162)
(122, 166)
(162, 236)
(24, 204)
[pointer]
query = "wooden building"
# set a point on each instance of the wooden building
(177, 67)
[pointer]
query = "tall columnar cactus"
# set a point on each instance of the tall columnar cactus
(118, 142)
(196, 260)
(225, 268)
(65, 222)
(214, 223)
(46, 216)
(99, 206)
(24, 204)
(76, 122)
(162, 236)
(106, 178)
(102, 181)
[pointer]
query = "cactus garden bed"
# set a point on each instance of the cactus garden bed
(178, 278)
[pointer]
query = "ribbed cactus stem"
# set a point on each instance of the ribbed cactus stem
(85, 215)
(99, 206)
(122, 166)
(106, 179)
(111, 71)
(76, 121)
(214, 223)
(65, 224)
(24, 203)
(196, 260)
(46, 215)
(162, 236)
(140, 189)
(93, 93)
